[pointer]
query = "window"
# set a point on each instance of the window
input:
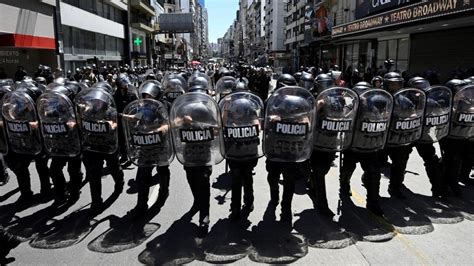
(396, 49)
(110, 45)
(67, 40)
(100, 43)
(100, 8)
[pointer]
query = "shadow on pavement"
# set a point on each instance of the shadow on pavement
(178, 245)
(227, 242)
(437, 211)
(8, 194)
(464, 206)
(28, 227)
(127, 232)
(363, 225)
(73, 228)
(66, 232)
(274, 243)
(224, 184)
(322, 232)
(405, 220)
(8, 211)
(132, 184)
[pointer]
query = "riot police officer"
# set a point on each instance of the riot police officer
(457, 148)
(435, 127)
(97, 115)
(289, 119)
(370, 134)
(197, 133)
(125, 94)
(242, 118)
(24, 137)
(61, 140)
(275, 169)
(405, 128)
(336, 108)
(149, 142)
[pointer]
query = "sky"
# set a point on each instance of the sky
(221, 14)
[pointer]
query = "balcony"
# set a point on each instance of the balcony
(141, 24)
(144, 6)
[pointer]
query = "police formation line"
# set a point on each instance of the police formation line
(301, 123)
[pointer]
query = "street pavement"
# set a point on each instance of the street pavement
(415, 231)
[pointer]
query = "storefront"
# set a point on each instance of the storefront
(434, 35)
(27, 36)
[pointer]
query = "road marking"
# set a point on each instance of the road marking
(405, 241)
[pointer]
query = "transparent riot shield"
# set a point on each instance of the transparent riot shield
(242, 119)
(224, 87)
(197, 130)
(21, 123)
(336, 110)
(105, 86)
(407, 117)
(147, 133)
(97, 116)
(289, 123)
(373, 120)
(4, 89)
(462, 121)
(58, 125)
(437, 114)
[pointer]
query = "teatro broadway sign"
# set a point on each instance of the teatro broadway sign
(412, 13)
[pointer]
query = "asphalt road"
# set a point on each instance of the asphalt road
(415, 231)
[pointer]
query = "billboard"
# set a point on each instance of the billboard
(369, 7)
(175, 23)
(318, 22)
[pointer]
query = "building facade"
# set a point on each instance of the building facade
(275, 33)
(419, 36)
(94, 30)
(27, 35)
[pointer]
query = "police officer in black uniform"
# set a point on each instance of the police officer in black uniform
(242, 151)
(457, 148)
(370, 134)
(198, 144)
(426, 150)
(399, 151)
(18, 161)
(99, 141)
(321, 160)
(124, 95)
(152, 90)
(275, 169)
(57, 146)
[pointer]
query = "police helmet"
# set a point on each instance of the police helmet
(456, 84)
(152, 88)
(392, 82)
(419, 83)
(322, 82)
(297, 76)
(306, 81)
(362, 86)
(285, 80)
(377, 82)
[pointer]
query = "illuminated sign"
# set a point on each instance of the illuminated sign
(412, 13)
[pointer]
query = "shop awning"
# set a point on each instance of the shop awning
(27, 41)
